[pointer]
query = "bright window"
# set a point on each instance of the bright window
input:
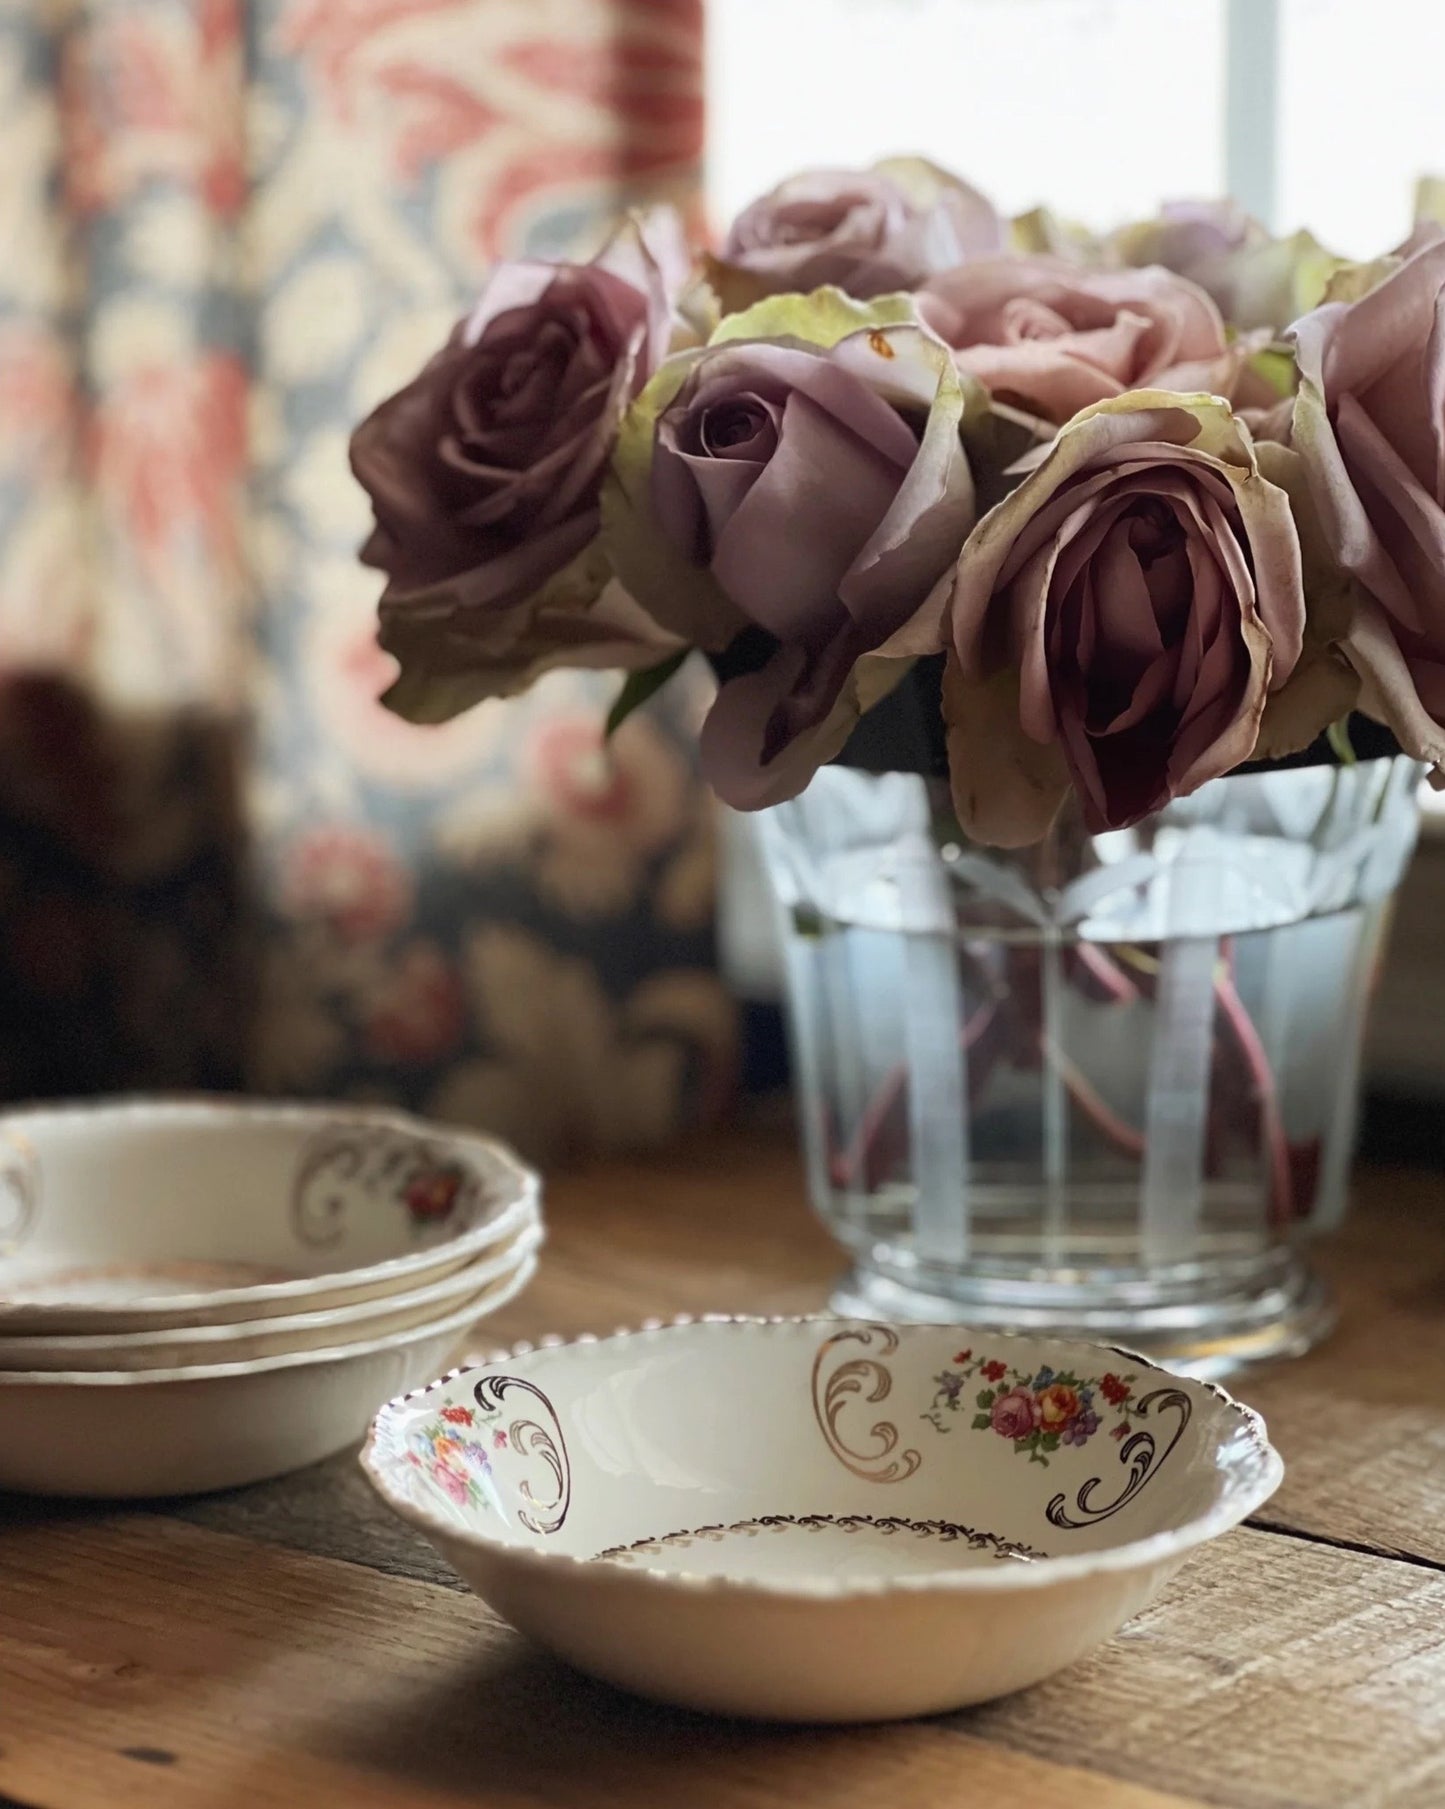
(1314, 112)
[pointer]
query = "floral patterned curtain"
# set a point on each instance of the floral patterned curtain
(231, 225)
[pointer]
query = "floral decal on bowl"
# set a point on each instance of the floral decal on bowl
(432, 1192)
(1038, 1411)
(19, 1189)
(454, 1450)
(1045, 1411)
(461, 1449)
(342, 1165)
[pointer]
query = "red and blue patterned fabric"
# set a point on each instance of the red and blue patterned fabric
(230, 227)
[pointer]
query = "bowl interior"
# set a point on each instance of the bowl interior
(107, 1202)
(747, 1448)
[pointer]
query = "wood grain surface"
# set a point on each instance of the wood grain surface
(293, 1645)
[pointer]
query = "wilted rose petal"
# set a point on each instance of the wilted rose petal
(485, 473)
(1369, 424)
(1051, 338)
(867, 232)
(1119, 621)
(812, 490)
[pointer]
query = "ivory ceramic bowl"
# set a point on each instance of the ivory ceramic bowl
(183, 1431)
(143, 1215)
(819, 1520)
(186, 1346)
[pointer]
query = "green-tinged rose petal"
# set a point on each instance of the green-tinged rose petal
(1320, 691)
(1348, 282)
(1026, 680)
(1430, 200)
(747, 786)
(811, 459)
(1368, 423)
(1007, 788)
(579, 619)
(1322, 687)
(685, 599)
(1272, 284)
(870, 232)
(1275, 365)
(1387, 687)
(821, 318)
(1041, 232)
(1203, 423)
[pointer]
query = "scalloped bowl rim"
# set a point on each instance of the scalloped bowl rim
(1040, 1573)
(512, 1217)
(457, 1285)
(498, 1294)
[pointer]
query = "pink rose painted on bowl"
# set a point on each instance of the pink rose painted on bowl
(450, 1481)
(1015, 1414)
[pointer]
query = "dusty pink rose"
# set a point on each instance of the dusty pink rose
(864, 231)
(484, 475)
(1050, 337)
(1369, 424)
(1015, 1414)
(1120, 619)
(825, 490)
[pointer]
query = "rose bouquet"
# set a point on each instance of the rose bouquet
(1053, 513)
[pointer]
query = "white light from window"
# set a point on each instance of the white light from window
(1102, 108)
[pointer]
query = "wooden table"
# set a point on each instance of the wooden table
(294, 1646)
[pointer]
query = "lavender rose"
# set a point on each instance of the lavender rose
(1119, 621)
(1369, 424)
(484, 475)
(805, 493)
(1257, 281)
(1050, 337)
(1188, 237)
(867, 232)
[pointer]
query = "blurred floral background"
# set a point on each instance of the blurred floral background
(230, 227)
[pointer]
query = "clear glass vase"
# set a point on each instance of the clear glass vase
(1104, 1085)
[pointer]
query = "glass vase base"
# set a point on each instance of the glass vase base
(1207, 1339)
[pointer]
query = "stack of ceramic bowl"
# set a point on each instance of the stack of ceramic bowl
(196, 1294)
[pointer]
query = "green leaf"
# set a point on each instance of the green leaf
(1338, 736)
(986, 1398)
(981, 1421)
(1049, 1442)
(637, 687)
(808, 924)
